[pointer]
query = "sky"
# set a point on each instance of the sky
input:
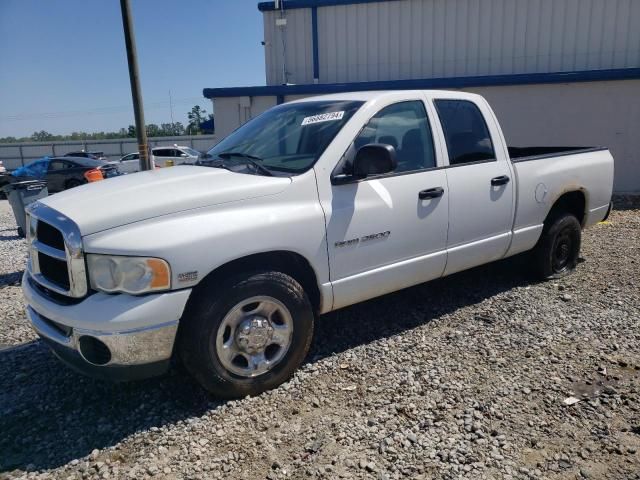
(63, 64)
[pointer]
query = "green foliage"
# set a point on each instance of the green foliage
(196, 116)
(42, 136)
(164, 130)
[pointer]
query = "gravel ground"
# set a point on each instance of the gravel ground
(464, 377)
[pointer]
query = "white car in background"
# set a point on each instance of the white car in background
(2, 167)
(177, 154)
(130, 163)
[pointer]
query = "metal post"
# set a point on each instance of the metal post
(132, 60)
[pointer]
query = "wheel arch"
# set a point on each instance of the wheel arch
(574, 202)
(288, 262)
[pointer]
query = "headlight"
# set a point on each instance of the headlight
(31, 223)
(135, 275)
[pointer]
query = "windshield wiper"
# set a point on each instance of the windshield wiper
(252, 159)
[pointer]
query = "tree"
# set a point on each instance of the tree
(196, 116)
(41, 136)
(131, 131)
(171, 129)
(153, 130)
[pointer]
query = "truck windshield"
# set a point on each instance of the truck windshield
(288, 138)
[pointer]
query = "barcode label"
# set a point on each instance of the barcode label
(323, 117)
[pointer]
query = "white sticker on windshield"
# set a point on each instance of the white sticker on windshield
(323, 117)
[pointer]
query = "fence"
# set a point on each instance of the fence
(15, 155)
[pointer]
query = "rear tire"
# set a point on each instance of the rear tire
(558, 249)
(72, 183)
(246, 335)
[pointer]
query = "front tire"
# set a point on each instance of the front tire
(248, 335)
(557, 252)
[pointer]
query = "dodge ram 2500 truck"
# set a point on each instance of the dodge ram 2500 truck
(312, 206)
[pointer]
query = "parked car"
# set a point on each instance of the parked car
(177, 154)
(129, 163)
(2, 167)
(62, 173)
(310, 207)
(83, 154)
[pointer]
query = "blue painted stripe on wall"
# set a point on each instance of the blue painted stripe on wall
(427, 83)
(289, 4)
(314, 41)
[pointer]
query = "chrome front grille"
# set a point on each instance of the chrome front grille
(56, 259)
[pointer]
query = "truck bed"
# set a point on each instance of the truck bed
(523, 154)
(544, 174)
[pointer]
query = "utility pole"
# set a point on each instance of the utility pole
(132, 60)
(171, 107)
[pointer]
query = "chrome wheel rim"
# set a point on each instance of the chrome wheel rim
(254, 336)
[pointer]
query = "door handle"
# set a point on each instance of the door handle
(501, 180)
(431, 193)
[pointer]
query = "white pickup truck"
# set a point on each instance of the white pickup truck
(312, 206)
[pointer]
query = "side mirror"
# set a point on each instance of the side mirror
(374, 159)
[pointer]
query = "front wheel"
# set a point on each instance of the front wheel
(558, 249)
(247, 337)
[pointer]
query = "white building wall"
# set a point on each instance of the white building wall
(297, 45)
(577, 114)
(407, 39)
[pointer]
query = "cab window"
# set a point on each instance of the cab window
(406, 128)
(466, 132)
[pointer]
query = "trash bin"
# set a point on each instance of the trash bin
(21, 194)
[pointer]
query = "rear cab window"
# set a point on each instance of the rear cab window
(465, 131)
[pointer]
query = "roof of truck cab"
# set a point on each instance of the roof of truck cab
(377, 94)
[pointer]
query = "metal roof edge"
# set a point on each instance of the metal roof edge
(291, 4)
(427, 83)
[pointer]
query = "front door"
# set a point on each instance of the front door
(480, 186)
(389, 232)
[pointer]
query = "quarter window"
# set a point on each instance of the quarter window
(466, 132)
(405, 127)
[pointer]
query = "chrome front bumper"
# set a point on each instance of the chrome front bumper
(135, 335)
(132, 347)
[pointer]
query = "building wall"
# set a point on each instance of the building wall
(583, 114)
(404, 39)
(298, 47)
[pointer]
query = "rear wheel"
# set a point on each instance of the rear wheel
(558, 249)
(247, 337)
(72, 183)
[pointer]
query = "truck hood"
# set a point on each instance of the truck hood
(131, 198)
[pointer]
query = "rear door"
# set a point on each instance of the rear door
(481, 198)
(57, 174)
(130, 163)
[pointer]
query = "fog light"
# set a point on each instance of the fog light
(94, 351)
